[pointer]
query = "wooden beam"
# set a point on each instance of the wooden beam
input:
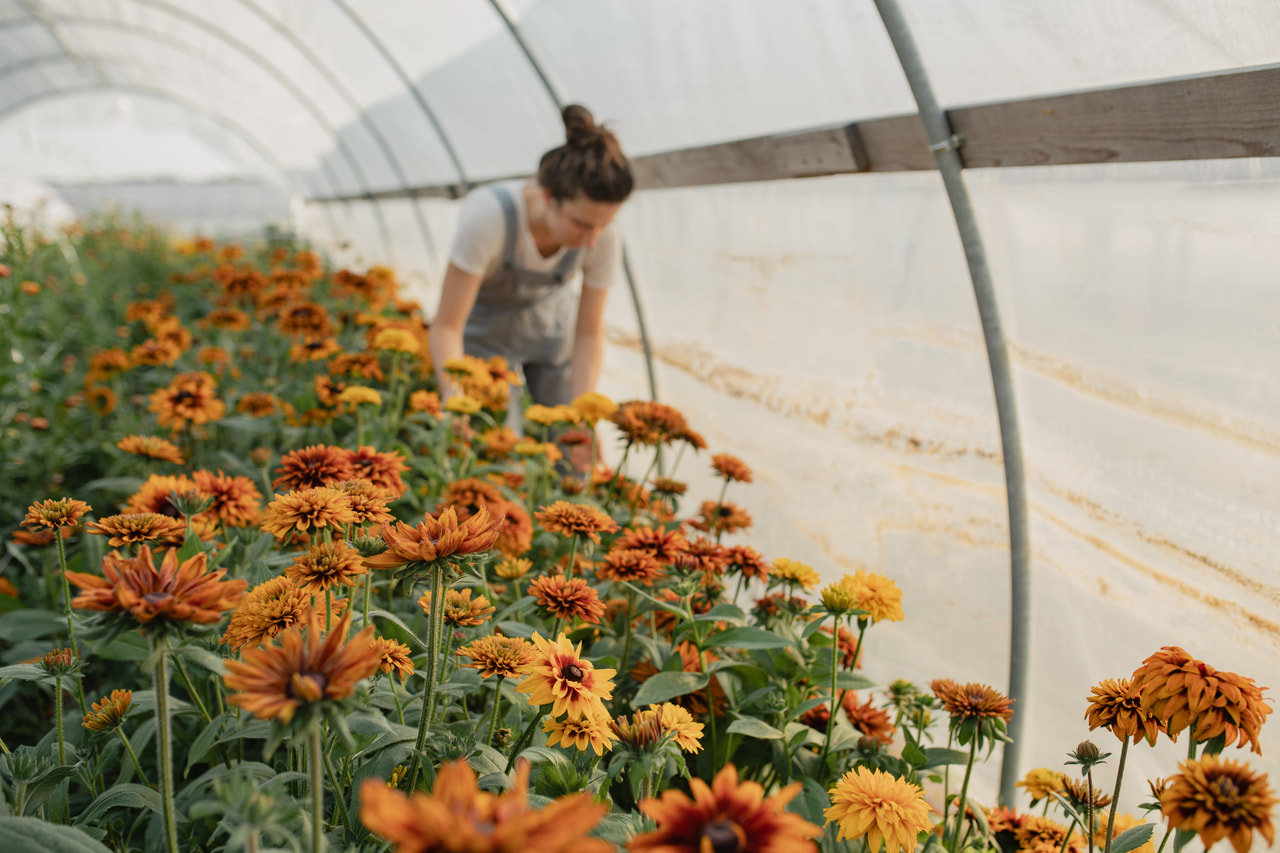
(1214, 116)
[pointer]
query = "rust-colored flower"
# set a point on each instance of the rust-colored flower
(567, 598)
(505, 657)
(7, 588)
(588, 732)
(135, 528)
(720, 518)
(108, 713)
(972, 701)
(191, 398)
(368, 502)
(703, 555)
(649, 423)
(471, 494)
(428, 402)
(325, 566)
(394, 656)
(460, 610)
(308, 319)
(231, 319)
(562, 678)
(747, 560)
(460, 818)
(304, 509)
(728, 816)
(1181, 691)
(1040, 783)
(314, 466)
(156, 494)
(270, 608)
(1040, 834)
(631, 566)
(233, 500)
(154, 353)
(1079, 793)
(151, 447)
(100, 399)
(259, 404)
(731, 468)
(880, 807)
(436, 538)
(55, 514)
(381, 469)
(872, 722)
(303, 666)
(1219, 798)
(183, 591)
(666, 546)
(1114, 704)
(108, 363)
(570, 519)
(362, 364)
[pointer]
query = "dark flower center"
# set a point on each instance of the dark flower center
(183, 396)
(157, 599)
(1227, 792)
(572, 673)
(721, 836)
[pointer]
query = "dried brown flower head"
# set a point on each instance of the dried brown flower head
(1114, 704)
(1219, 798)
(314, 466)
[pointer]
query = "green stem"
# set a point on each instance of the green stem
(711, 705)
(497, 703)
(128, 747)
(1088, 810)
(429, 694)
(835, 671)
(165, 743)
(57, 707)
(1191, 741)
(317, 789)
(573, 555)
(1164, 840)
(338, 799)
(1067, 839)
(368, 590)
(617, 472)
(719, 506)
(525, 737)
(1115, 796)
(395, 694)
(328, 609)
(964, 791)
(186, 682)
(66, 588)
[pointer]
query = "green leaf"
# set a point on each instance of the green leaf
(1214, 746)
(747, 638)
(127, 796)
(32, 835)
(1132, 838)
(813, 627)
(937, 756)
(30, 624)
(43, 786)
(668, 685)
(204, 741)
(516, 629)
(752, 727)
(395, 620)
(722, 613)
(811, 802)
(24, 672)
(915, 756)
(120, 485)
(853, 681)
(1181, 837)
(203, 657)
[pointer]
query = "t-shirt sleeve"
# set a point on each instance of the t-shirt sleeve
(603, 264)
(481, 230)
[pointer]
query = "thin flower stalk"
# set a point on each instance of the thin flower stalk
(164, 742)
(315, 766)
(66, 603)
(1115, 795)
(1088, 809)
(343, 816)
(57, 706)
(429, 694)
(835, 671)
(964, 795)
(497, 705)
(128, 747)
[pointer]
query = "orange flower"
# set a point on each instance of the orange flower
(872, 722)
(308, 319)
(703, 555)
(325, 566)
(1114, 704)
(428, 402)
(109, 713)
(151, 447)
(570, 519)
(270, 608)
(381, 469)
(567, 598)
(460, 818)
(394, 656)
(1038, 833)
(53, 514)
(560, 677)
(436, 538)
(727, 816)
(1041, 782)
(299, 511)
(361, 364)
(234, 501)
(313, 349)
(459, 609)
(136, 528)
(972, 701)
(178, 592)
(314, 466)
(645, 422)
(749, 561)
(495, 443)
(717, 518)
(881, 807)
(189, 399)
(1180, 691)
(155, 494)
(231, 319)
(667, 546)
(7, 588)
(154, 353)
(876, 594)
(504, 657)
(634, 566)
(303, 666)
(731, 468)
(590, 732)
(1219, 798)
(259, 405)
(368, 502)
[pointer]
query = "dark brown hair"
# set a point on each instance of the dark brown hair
(590, 162)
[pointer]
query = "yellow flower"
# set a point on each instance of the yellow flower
(877, 595)
(591, 731)
(505, 657)
(359, 395)
(840, 597)
(1039, 783)
(548, 415)
(796, 572)
(62, 512)
(593, 408)
(395, 340)
(462, 404)
(560, 677)
(513, 568)
(880, 807)
(679, 722)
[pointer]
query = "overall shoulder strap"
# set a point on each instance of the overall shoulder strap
(567, 264)
(512, 222)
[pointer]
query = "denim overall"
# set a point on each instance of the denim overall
(527, 317)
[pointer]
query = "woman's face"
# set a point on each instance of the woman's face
(577, 223)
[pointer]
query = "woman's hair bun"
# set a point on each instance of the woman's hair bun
(580, 126)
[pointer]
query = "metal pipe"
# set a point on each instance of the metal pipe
(553, 92)
(945, 146)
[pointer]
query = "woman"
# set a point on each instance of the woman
(509, 287)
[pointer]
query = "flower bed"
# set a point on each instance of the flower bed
(265, 589)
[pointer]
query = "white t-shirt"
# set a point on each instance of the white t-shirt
(477, 246)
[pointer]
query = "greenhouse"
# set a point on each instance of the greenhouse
(710, 426)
